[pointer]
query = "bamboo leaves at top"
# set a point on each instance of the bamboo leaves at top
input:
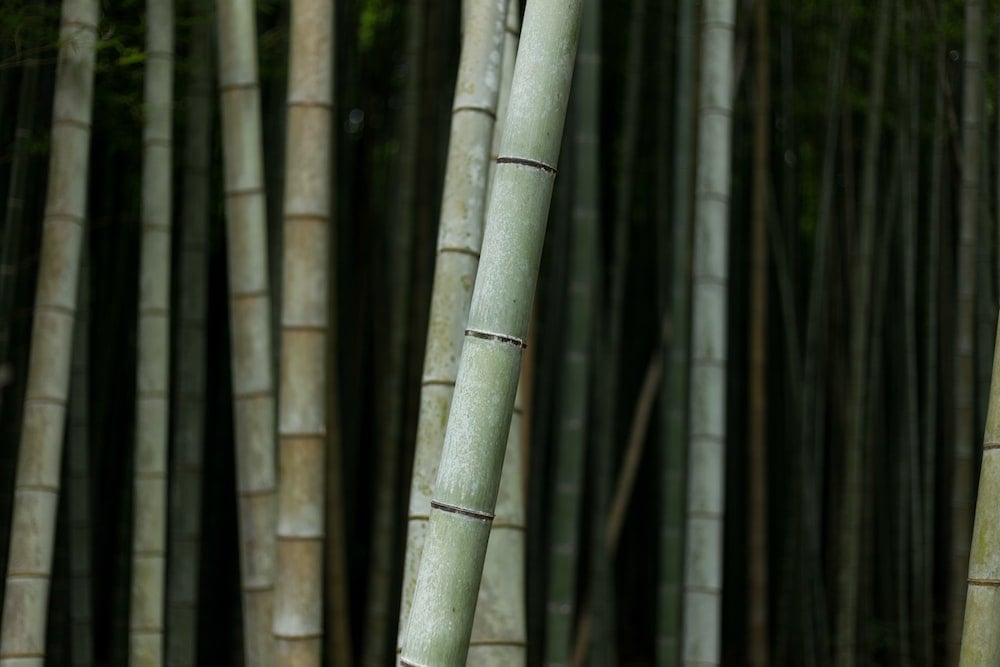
(466, 486)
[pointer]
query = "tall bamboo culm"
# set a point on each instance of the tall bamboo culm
(460, 234)
(980, 640)
(298, 597)
(964, 379)
(465, 493)
(189, 369)
(570, 451)
(29, 566)
(250, 322)
(79, 484)
(674, 397)
(707, 431)
(499, 632)
(149, 525)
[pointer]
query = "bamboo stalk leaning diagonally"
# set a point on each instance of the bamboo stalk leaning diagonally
(298, 597)
(980, 640)
(29, 566)
(460, 234)
(465, 493)
(499, 628)
(702, 621)
(250, 323)
(149, 531)
(190, 367)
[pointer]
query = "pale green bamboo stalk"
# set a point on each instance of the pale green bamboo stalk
(298, 594)
(702, 620)
(574, 377)
(459, 239)
(250, 322)
(674, 398)
(149, 515)
(79, 483)
(499, 628)
(29, 566)
(960, 507)
(189, 379)
(980, 639)
(465, 493)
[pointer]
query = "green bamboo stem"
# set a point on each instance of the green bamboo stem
(707, 430)
(298, 595)
(465, 493)
(190, 366)
(674, 397)
(459, 240)
(571, 444)
(980, 640)
(499, 630)
(149, 516)
(79, 483)
(250, 322)
(29, 566)
(960, 507)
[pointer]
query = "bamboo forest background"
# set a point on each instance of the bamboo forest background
(863, 282)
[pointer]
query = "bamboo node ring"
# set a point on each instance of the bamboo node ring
(485, 517)
(500, 338)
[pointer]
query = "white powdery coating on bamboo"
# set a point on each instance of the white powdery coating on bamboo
(706, 460)
(459, 239)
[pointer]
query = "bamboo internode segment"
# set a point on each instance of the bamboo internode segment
(22, 635)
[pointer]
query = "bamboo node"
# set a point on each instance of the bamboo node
(500, 338)
(527, 162)
(485, 517)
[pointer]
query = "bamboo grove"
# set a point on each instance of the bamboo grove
(499, 332)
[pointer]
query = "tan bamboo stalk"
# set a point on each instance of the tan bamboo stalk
(250, 322)
(302, 422)
(149, 515)
(980, 639)
(961, 477)
(36, 490)
(707, 426)
(189, 378)
(79, 485)
(460, 234)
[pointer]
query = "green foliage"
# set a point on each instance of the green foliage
(374, 17)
